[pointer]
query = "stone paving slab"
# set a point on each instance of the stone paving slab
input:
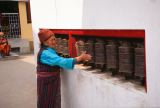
(18, 82)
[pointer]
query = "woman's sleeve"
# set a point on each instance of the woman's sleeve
(52, 59)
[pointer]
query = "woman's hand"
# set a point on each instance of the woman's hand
(84, 57)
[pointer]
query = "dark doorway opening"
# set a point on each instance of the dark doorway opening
(9, 19)
(8, 6)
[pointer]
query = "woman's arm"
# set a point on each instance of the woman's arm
(51, 58)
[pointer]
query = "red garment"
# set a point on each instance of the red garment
(48, 91)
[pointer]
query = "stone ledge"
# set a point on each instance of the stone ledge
(117, 80)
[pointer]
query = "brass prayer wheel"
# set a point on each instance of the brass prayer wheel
(100, 54)
(80, 47)
(139, 60)
(126, 61)
(89, 48)
(112, 56)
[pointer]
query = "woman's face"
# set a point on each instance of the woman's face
(1, 33)
(51, 42)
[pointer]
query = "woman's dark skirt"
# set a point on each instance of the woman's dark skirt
(48, 91)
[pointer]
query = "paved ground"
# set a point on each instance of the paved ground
(18, 82)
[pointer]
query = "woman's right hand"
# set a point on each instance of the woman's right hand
(84, 57)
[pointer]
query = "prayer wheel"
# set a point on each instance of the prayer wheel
(100, 54)
(112, 56)
(80, 46)
(126, 61)
(89, 48)
(139, 61)
(65, 50)
(59, 47)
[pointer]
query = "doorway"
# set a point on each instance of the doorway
(9, 19)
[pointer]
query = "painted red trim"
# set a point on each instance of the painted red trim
(145, 75)
(119, 33)
(71, 47)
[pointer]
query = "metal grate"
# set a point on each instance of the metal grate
(10, 25)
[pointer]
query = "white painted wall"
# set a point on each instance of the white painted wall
(64, 14)
(43, 16)
(131, 14)
(104, 14)
(69, 14)
(84, 89)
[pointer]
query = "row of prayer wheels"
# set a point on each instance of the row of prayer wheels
(118, 56)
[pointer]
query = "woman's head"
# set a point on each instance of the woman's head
(47, 38)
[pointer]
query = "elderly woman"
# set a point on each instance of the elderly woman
(48, 70)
